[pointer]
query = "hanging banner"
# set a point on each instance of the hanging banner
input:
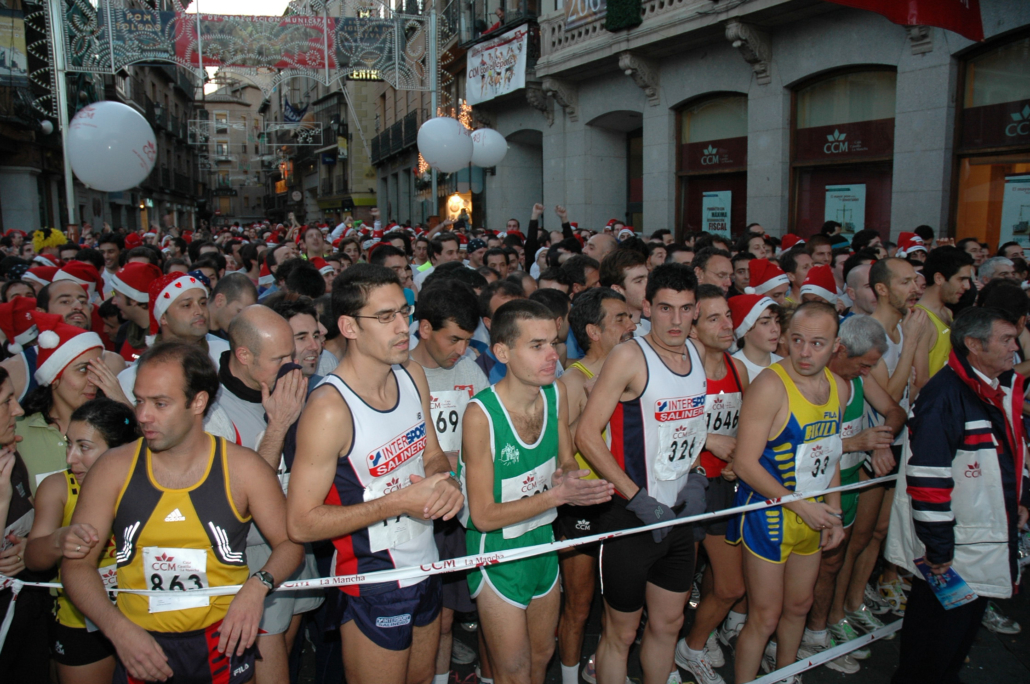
(14, 60)
(1015, 211)
(715, 212)
(960, 16)
(580, 12)
(845, 204)
(290, 42)
(497, 67)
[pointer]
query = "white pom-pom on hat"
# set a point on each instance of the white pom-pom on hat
(749, 290)
(48, 339)
(15, 348)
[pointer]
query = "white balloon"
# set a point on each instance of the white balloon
(488, 147)
(445, 144)
(111, 147)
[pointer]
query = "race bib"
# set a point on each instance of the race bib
(530, 483)
(393, 532)
(176, 572)
(815, 462)
(446, 410)
(847, 431)
(722, 412)
(680, 444)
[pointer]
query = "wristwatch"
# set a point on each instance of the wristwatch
(266, 579)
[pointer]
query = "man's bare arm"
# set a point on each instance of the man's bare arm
(879, 399)
(446, 500)
(623, 369)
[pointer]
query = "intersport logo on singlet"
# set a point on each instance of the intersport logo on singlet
(679, 408)
(394, 453)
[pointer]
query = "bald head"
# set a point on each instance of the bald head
(255, 326)
(262, 342)
(599, 246)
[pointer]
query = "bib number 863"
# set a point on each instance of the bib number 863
(157, 583)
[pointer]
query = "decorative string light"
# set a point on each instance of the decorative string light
(423, 166)
(465, 114)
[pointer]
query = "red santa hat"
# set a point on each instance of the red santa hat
(84, 274)
(265, 277)
(820, 282)
(625, 232)
(165, 290)
(44, 275)
(516, 233)
(746, 309)
(134, 280)
(15, 231)
(766, 275)
(133, 240)
(323, 266)
(59, 344)
(367, 245)
(790, 240)
(44, 260)
(17, 323)
(909, 243)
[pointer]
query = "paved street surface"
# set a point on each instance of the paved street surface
(994, 659)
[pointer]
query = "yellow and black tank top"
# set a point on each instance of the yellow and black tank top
(177, 540)
(64, 610)
(941, 350)
(604, 433)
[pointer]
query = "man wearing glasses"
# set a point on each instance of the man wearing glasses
(372, 477)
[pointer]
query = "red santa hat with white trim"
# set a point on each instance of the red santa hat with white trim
(820, 282)
(790, 240)
(17, 323)
(909, 243)
(44, 260)
(265, 277)
(766, 275)
(84, 274)
(323, 266)
(163, 293)
(44, 275)
(59, 344)
(133, 280)
(746, 309)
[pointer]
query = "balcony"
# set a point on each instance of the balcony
(396, 132)
(474, 19)
(182, 184)
(563, 49)
(173, 125)
(410, 129)
(326, 188)
(166, 178)
(376, 152)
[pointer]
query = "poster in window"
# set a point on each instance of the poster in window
(846, 205)
(14, 58)
(1015, 210)
(497, 67)
(715, 212)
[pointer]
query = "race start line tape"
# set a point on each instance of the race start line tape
(452, 564)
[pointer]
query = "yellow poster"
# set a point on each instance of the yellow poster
(14, 61)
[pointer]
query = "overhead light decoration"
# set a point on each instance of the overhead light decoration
(465, 114)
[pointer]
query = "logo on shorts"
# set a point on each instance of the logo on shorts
(973, 470)
(679, 408)
(241, 669)
(59, 647)
(510, 454)
(394, 621)
(583, 525)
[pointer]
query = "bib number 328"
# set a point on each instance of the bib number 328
(680, 445)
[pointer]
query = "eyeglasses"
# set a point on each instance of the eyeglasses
(388, 316)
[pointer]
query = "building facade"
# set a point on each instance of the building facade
(781, 112)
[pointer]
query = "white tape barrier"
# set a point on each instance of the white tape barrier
(455, 564)
(829, 654)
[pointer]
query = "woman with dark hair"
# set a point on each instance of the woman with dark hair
(82, 656)
(70, 372)
(23, 656)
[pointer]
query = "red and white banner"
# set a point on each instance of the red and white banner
(960, 16)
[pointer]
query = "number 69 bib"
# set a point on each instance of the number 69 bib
(393, 532)
(680, 443)
(176, 571)
(815, 462)
(446, 409)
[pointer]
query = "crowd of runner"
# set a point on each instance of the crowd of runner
(245, 406)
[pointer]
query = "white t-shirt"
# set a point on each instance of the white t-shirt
(753, 369)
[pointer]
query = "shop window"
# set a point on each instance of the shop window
(712, 166)
(843, 148)
(993, 155)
